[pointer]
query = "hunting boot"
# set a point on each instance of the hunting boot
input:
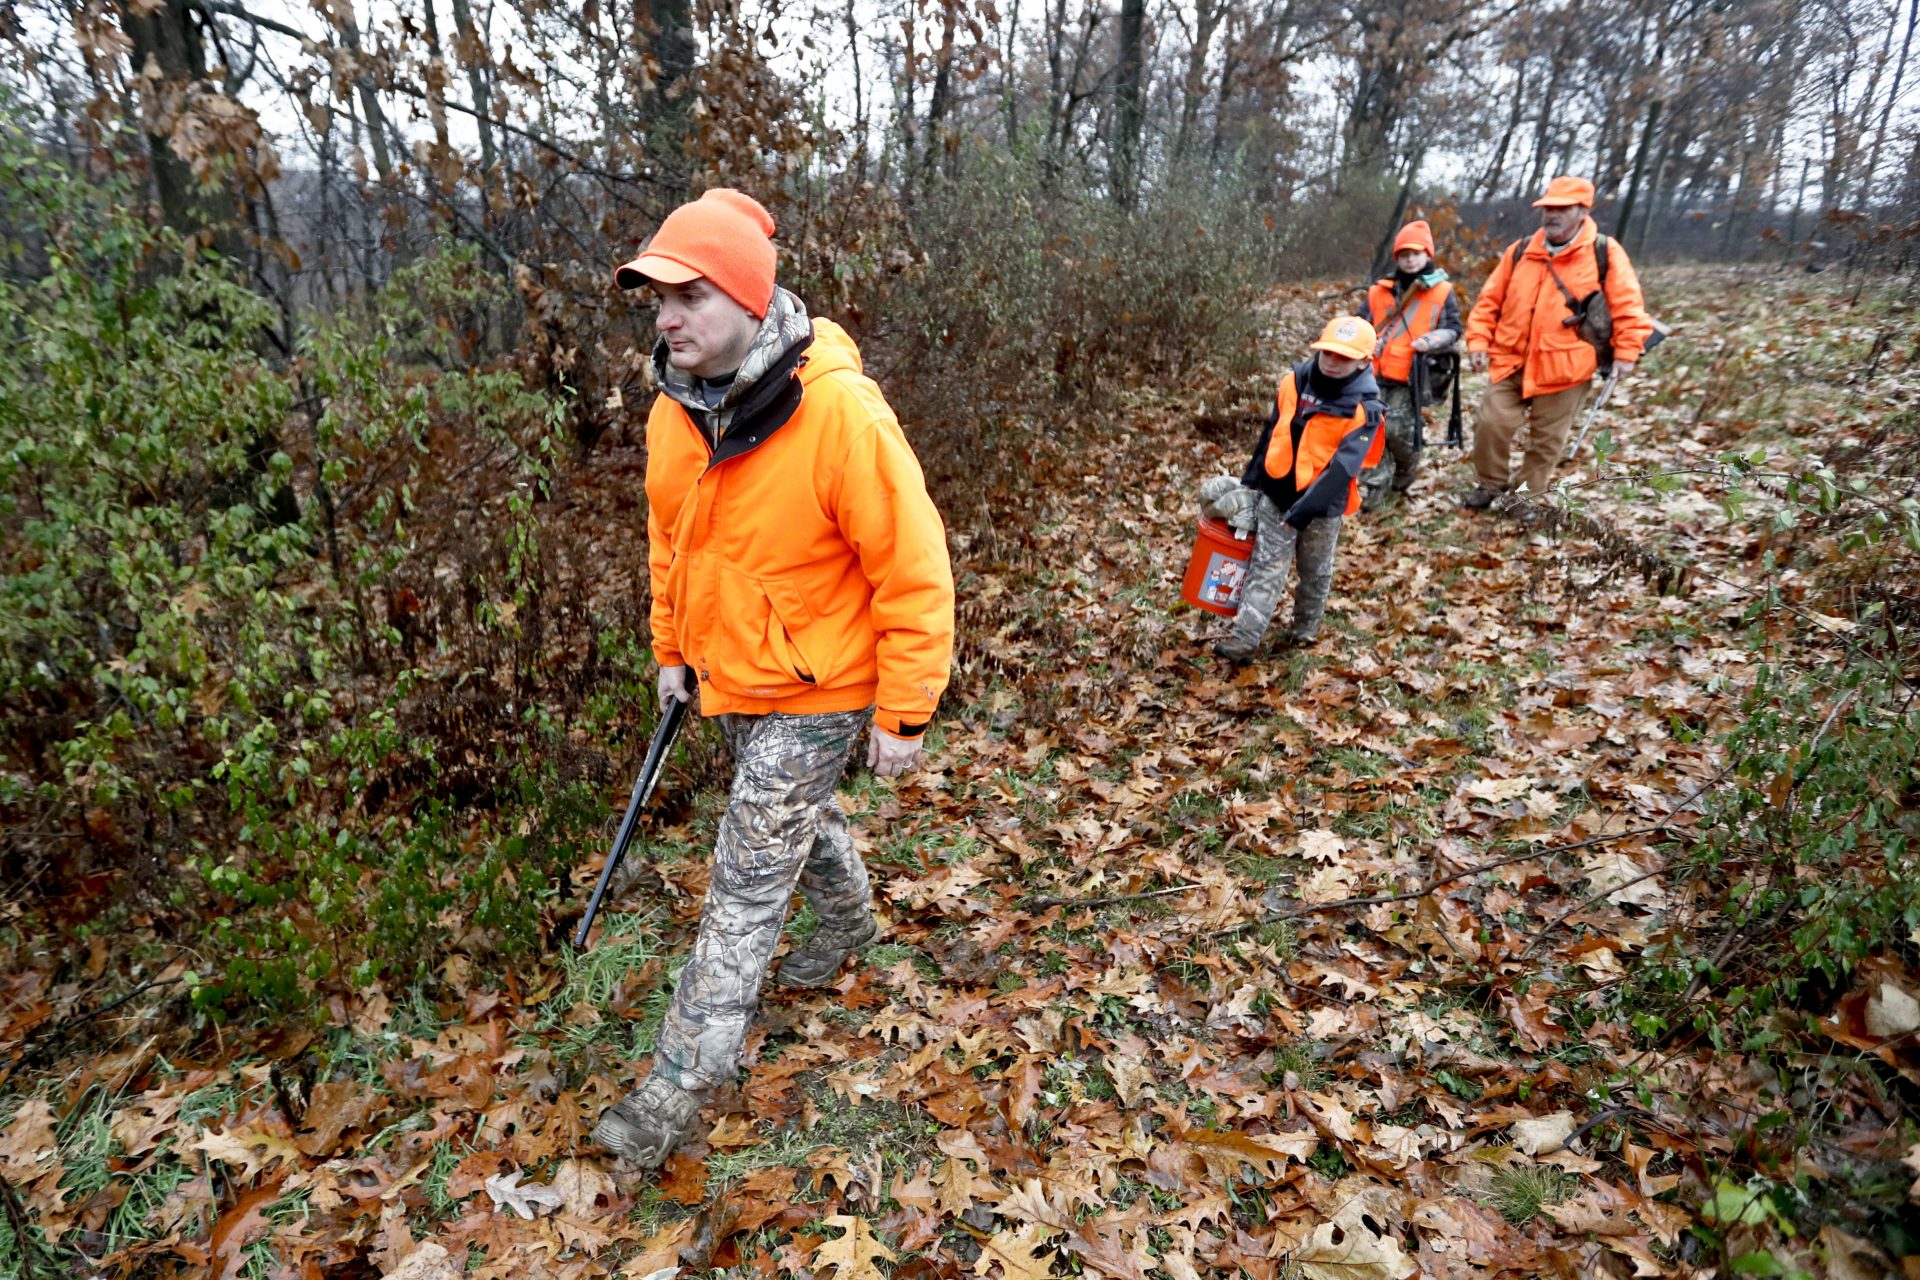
(647, 1124)
(1480, 497)
(1236, 651)
(816, 961)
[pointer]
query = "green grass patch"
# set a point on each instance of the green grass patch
(1520, 1190)
(1300, 1061)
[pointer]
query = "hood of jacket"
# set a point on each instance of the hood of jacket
(777, 349)
(1359, 388)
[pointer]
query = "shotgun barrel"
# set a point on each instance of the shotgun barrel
(663, 736)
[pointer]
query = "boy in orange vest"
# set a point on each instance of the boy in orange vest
(1325, 430)
(801, 586)
(1416, 315)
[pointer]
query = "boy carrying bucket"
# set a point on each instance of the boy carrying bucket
(1302, 480)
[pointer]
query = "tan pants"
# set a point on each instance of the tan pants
(1501, 414)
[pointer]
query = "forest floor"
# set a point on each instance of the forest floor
(1123, 1019)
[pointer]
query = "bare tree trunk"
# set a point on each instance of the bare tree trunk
(1893, 96)
(1009, 99)
(170, 38)
(1229, 64)
(860, 123)
(479, 64)
(1207, 16)
(349, 27)
(909, 118)
(437, 79)
(1799, 203)
(1490, 184)
(1543, 128)
(1383, 251)
(1656, 191)
(1056, 26)
(938, 100)
(1651, 127)
(1128, 103)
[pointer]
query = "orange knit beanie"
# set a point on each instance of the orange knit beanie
(1415, 235)
(724, 236)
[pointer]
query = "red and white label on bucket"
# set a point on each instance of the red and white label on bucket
(1221, 586)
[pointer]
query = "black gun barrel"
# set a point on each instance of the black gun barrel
(663, 736)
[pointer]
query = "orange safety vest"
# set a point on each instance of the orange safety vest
(1320, 439)
(1394, 360)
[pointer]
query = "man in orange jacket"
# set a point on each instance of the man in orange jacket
(1522, 329)
(801, 583)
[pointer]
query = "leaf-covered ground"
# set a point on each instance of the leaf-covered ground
(1126, 1018)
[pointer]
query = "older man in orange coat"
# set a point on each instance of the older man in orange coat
(1523, 330)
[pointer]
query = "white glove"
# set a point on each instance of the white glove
(676, 683)
(1225, 498)
(889, 756)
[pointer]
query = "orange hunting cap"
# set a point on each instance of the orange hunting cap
(725, 236)
(1348, 336)
(1565, 191)
(1415, 235)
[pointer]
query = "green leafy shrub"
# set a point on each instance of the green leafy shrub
(267, 668)
(1808, 846)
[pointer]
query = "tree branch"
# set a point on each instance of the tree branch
(1440, 881)
(233, 9)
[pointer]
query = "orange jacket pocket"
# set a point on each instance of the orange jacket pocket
(753, 655)
(1562, 363)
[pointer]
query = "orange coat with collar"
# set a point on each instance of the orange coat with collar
(809, 573)
(1519, 317)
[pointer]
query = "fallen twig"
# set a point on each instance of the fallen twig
(1584, 903)
(34, 1258)
(1673, 813)
(1041, 903)
(35, 1036)
(1308, 909)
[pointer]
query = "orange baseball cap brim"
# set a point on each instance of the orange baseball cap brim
(649, 267)
(1349, 350)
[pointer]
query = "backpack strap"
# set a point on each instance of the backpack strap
(1578, 305)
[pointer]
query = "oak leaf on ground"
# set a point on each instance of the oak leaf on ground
(852, 1256)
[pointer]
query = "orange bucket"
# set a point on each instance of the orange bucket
(1217, 568)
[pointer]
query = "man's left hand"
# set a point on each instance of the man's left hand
(1622, 369)
(889, 756)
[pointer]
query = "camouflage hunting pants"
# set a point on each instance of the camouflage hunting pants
(782, 826)
(1401, 462)
(1277, 548)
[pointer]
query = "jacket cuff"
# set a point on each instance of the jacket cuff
(900, 727)
(669, 657)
